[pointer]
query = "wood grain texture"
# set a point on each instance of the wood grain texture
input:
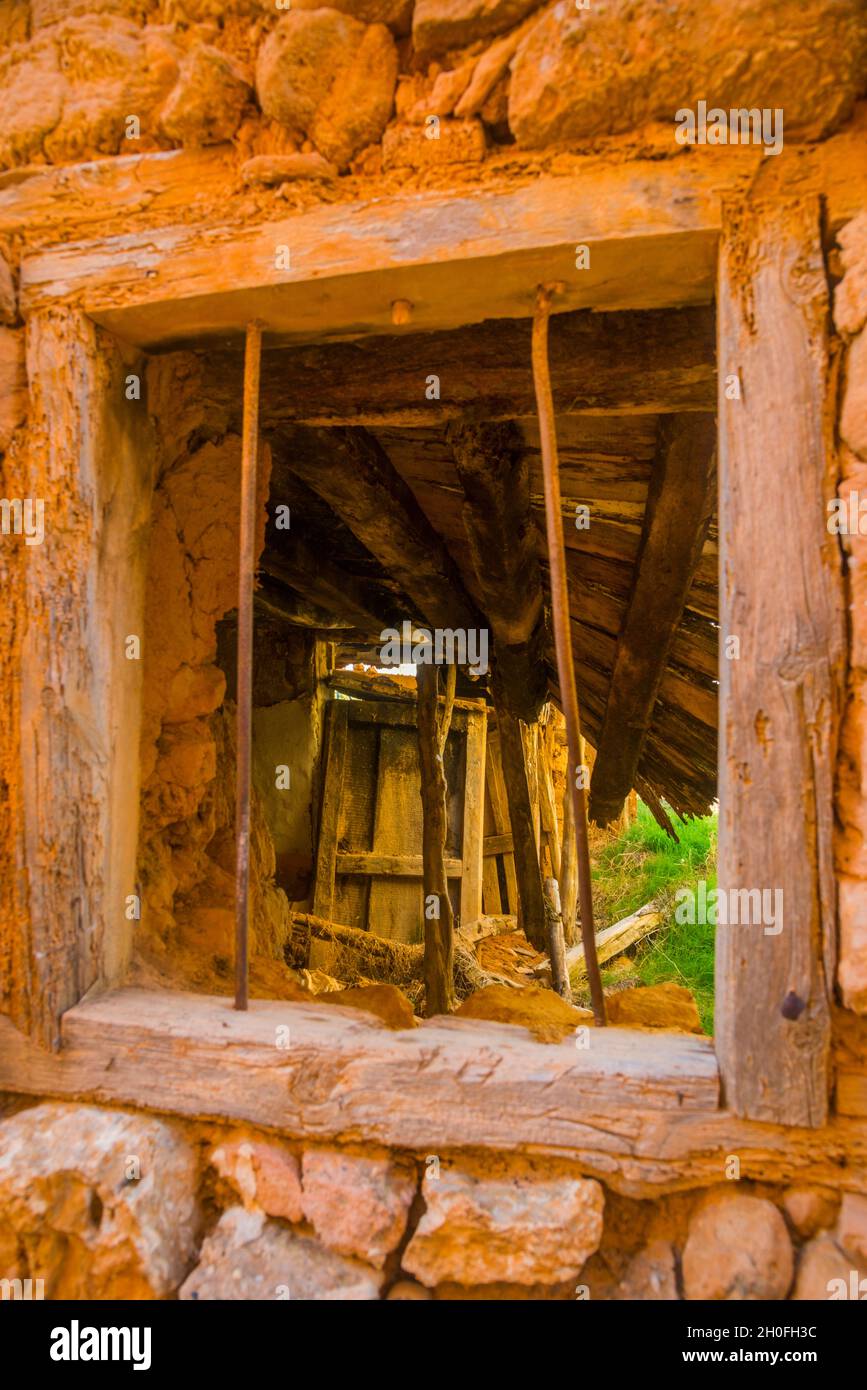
(474, 817)
(332, 791)
(525, 843)
(494, 474)
(89, 459)
(680, 502)
(638, 1111)
(781, 598)
(350, 471)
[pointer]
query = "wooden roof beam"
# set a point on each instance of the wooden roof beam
(350, 471)
(492, 466)
(310, 574)
(646, 361)
(680, 503)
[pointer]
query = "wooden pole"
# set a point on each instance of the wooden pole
(246, 563)
(563, 635)
(556, 944)
(528, 870)
(433, 729)
(569, 865)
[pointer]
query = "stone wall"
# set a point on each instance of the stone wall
(367, 85)
(110, 1204)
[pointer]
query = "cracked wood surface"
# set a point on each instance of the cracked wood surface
(636, 1109)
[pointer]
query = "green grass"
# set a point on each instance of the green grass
(643, 863)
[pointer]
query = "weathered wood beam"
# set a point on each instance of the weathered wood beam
(434, 718)
(493, 471)
(644, 360)
(280, 602)
(680, 502)
(350, 471)
(313, 576)
(635, 1109)
(528, 872)
(781, 598)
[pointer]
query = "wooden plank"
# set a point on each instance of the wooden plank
(680, 502)
(390, 865)
(617, 938)
(313, 577)
(500, 808)
(781, 597)
(637, 1110)
(392, 715)
(474, 817)
(548, 810)
(326, 851)
(497, 844)
(396, 903)
(513, 752)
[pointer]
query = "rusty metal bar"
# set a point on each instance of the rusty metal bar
(563, 634)
(246, 565)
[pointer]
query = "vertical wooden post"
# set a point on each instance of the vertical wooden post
(472, 840)
(513, 750)
(246, 564)
(433, 729)
(781, 663)
(569, 865)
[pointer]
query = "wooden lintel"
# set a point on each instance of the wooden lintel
(350, 471)
(492, 466)
(680, 502)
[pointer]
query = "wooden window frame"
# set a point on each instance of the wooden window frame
(638, 1108)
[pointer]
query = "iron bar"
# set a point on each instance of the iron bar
(563, 635)
(246, 565)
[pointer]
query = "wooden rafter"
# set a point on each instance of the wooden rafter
(350, 471)
(502, 536)
(679, 506)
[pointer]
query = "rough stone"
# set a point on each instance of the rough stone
(265, 1175)
(98, 1203)
(326, 76)
(668, 1006)
(516, 1230)
(810, 1209)
(8, 297)
(269, 170)
(247, 1257)
(206, 104)
(355, 112)
(548, 1017)
(397, 14)
(570, 81)
(738, 1248)
(67, 93)
(408, 147)
(853, 417)
(851, 1230)
(13, 384)
(440, 25)
(408, 1291)
(825, 1272)
(850, 296)
(357, 1205)
(650, 1275)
